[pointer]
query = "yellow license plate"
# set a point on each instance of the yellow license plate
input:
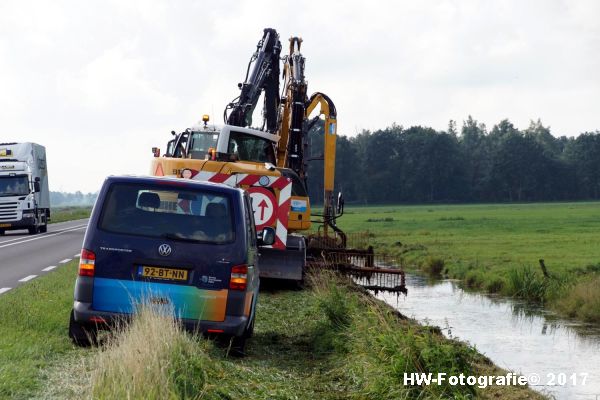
(164, 273)
(5, 225)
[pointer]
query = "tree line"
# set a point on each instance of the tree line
(63, 199)
(422, 165)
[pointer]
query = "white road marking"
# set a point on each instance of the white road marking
(25, 236)
(76, 255)
(16, 239)
(66, 260)
(27, 278)
(43, 236)
(50, 268)
(4, 290)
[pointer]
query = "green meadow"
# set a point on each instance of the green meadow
(497, 247)
(62, 214)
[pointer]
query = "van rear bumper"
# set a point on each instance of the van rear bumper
(84, 314)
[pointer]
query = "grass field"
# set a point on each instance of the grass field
(62, 214)
(498, 247)
(328, 342)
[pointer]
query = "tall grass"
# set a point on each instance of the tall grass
(583, 300)
(434, 266)
(379, 348)
(152, 358)
(525, 283)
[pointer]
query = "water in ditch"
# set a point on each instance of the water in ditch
(514, 335)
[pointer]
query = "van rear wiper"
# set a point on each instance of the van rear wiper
(176, 236)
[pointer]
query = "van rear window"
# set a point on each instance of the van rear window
(168, 212)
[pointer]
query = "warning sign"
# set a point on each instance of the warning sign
(263, 205)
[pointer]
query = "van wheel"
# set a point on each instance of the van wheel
(250, 331)
(238, 346)
(80, 335)
(44, 228)
(33, 230)
(238, 343)
(2, 232)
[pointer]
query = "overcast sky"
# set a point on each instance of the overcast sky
(100, 83)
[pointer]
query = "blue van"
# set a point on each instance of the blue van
(188, 245)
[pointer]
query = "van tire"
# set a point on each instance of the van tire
(44, 228)
(238, 346)
(250, 331)
(80, 335)
(33, 230)
(2, 232)
(238, 343)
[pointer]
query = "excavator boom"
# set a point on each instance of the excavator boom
(262, 75)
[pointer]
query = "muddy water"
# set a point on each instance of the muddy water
(515, 336)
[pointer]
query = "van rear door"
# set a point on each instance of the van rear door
(165, 244)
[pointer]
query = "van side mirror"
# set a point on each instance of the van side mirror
(340, 204)
(36, 186)
(266, 237)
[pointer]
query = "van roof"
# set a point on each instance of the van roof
(169, 181)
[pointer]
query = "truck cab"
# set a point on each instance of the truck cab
(24, 194)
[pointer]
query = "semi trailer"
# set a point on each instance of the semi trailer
(24, 194)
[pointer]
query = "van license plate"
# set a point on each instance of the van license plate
(163, 273)
(5, 225)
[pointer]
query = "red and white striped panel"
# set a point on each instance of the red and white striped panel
(284, 185)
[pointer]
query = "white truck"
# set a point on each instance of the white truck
(24, 194)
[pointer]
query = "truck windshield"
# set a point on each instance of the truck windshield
(245, 147)
(200, 142)
(172, 213)
(14, 185)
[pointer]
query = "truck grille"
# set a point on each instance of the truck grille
(8, 211)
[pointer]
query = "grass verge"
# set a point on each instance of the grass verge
(33, 331)
(62, 214)
(332, 341)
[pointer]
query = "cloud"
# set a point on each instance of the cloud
(100, 83)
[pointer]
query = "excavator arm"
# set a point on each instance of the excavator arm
(295, 112)
(327, 109)
(290, 150)
(262, 75)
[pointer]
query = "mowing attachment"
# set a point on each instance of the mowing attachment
(372, 271)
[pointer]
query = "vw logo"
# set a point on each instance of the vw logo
(164, 250)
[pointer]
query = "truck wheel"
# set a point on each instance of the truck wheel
(44, 228)
(80, 335)
(2, 232)
(33, 230)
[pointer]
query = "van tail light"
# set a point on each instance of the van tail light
(239, 277)
(86, 263)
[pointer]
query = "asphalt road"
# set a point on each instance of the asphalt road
(25, 257)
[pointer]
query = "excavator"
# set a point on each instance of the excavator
(269, 161)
